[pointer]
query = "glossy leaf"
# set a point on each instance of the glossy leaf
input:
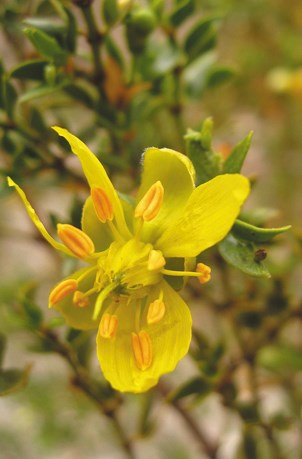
(241, 255)
(218, 76)
(201, 38)
(50, 25)
(235, 160)
(29, 70)
(181, 12)
(255, 234)
(46, 45)
(40, 91)
(199, 386)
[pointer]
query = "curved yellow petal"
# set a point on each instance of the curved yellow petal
(96, 176)
(37, 222)
(76, 316)
(207, 217)
(176, 174)
(166, 342)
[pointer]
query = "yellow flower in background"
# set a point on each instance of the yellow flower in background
(144, 326)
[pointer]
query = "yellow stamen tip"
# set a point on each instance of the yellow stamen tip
(142, 350)
(76, 240)
(80, 299)
(205, 272)
(108, 325)
(63, 289)
(156, 260)
(156, 311)
(150, 204)
(102, 204)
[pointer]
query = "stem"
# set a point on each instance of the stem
(83, 382)
(197, 433)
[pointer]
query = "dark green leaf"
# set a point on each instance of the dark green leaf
(250, 446)
(110, 11)
(181, 12)
(196, 74)
(252, 233)
(280, 358)
(71, 35)
(37, 122)
(33, 313)
(8, 96)
(29, 70)
(199, 150)
(79, 94)
(113, 50)
(50, 25)
(40, 91)
(13, 380)
(218, 76)
(2, 348)
(235, 160)
(46, 45)
(201, 38)
(241, 255)
(199, 386)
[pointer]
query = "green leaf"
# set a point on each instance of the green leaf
(235, 160)
(110, 11)
(218, 76)
(33, 313)
(201, 38)
(49, 25)
(181, 12)
(113, 50)
(280, 358)
(40, 91)
(2, 347)
(71, 35)
(46, 45)
(250, 446)
(255, 234)
(196, 74)
(199, 150)
(241, 255)
(79, 94)
(196, 386)
(13, 380)
(29, 70)
(8, 96)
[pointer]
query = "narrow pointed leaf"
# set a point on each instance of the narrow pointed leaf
(235, 160)
(13, 380)
(255, 234)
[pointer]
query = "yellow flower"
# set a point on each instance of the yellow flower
(144, 327)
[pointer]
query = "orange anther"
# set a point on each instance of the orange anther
(80, 299)
(156, 260)
(150, 204)
(76, 240)
(61, 290)
(108, 325)
(102, 204)
(142, 349)
(156, 311)
(205, 272)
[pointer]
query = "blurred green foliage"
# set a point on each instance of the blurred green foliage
(125, 75)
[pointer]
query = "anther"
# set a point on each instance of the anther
(156, 260)
(76, 240)
(102, 204)
(156, 311)
(108, 325)
(150, 204)
(142, 349)
(205, 273)
(63, 289)
(80, 299)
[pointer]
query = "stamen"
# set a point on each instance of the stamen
(102, 204)
(204, 273)
(108, 325)
(63, 289)
(156, 311)
(76, 240)
(156, 260)
(80, 299)
(150, 204)
(142, 349)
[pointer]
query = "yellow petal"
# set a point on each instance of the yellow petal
(35, 219)
(207, 217)
(96, 176)
(162, 344)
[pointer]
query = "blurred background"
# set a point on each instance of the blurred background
(123, 76)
